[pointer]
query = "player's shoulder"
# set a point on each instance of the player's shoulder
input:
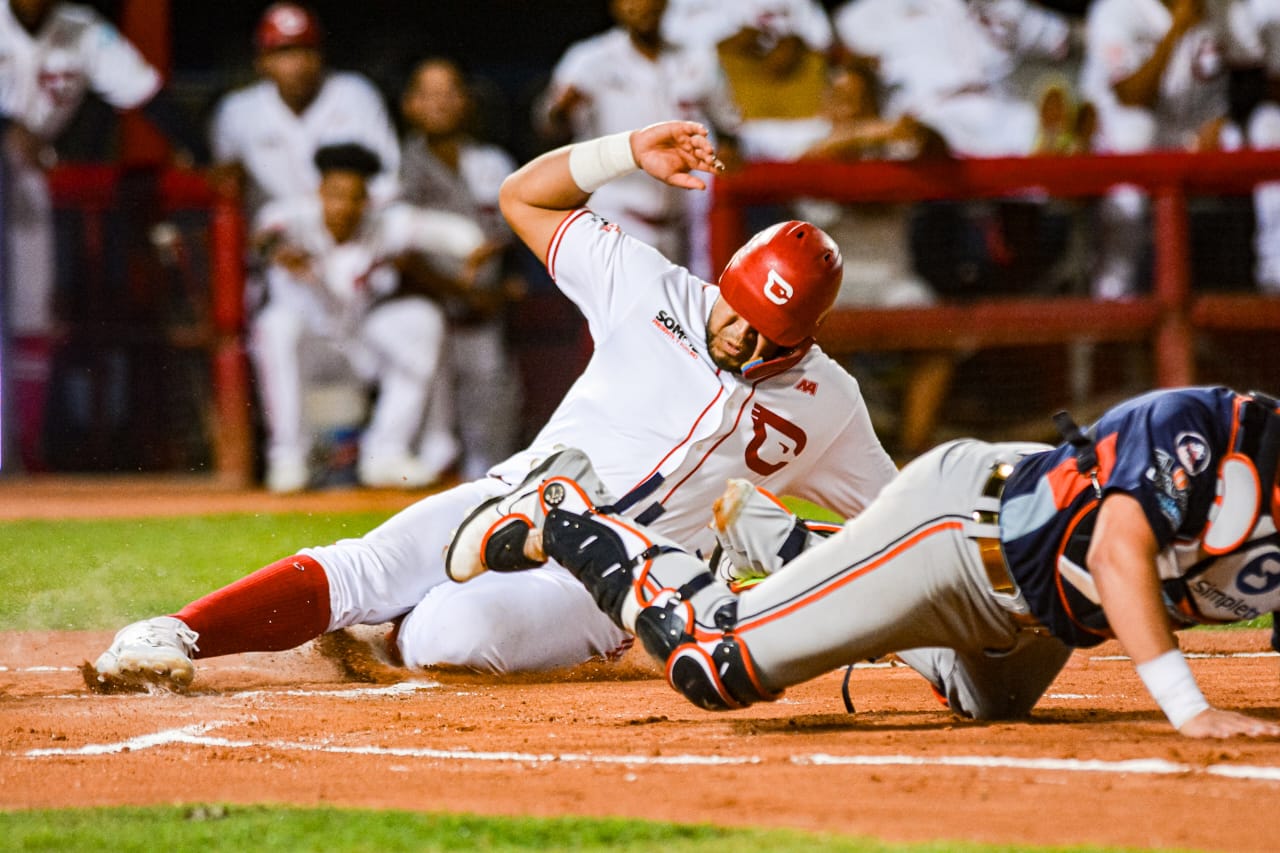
(70, 22)
(351, 82)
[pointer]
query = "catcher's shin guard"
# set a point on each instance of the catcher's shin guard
(655, 590)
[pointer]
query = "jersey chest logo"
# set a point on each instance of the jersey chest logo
(775, 441)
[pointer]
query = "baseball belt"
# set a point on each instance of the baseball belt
(990, 549)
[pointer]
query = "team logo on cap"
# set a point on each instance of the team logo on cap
(289, 20)
(777, 289)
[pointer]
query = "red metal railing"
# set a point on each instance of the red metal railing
(1167, 318)
(92, 189)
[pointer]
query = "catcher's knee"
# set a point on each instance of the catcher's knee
(716, 673)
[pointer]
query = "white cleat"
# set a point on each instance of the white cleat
(151, 653)
(492, 537)
(397, 472)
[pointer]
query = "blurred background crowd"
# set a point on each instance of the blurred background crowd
(400, 336)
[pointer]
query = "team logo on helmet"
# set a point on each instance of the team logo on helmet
(1193, 452)
(290, 20)
(777, 289)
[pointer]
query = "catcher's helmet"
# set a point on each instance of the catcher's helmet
(287, 25)
(784, 280)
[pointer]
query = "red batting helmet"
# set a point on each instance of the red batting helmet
(287, 25)
(784, 280)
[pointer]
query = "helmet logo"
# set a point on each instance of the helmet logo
(777, 289)
(290, 20)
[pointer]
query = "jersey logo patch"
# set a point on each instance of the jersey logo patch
(775, 441)
(1260, 576)
(1193, 452)
(777, 289)
(807, 386)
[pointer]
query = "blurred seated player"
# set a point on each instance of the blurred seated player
(444, 167)
(52, 55)
(981, 565)
(335, 307)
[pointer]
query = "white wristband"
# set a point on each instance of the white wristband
(596, 162)
(1174, 688)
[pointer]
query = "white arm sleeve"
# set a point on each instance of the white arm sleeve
(117, 71)
(409, 228)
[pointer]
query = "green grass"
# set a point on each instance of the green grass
(83, 575)
(265, 829)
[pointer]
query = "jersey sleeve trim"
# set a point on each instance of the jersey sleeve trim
(553, 247)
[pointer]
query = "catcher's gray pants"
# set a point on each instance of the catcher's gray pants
(906, 574)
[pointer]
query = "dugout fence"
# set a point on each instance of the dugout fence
(1173, 323)
(152, 373)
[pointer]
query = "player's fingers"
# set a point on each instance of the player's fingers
(686, 181)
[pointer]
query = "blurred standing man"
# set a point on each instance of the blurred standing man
(51, 55)
(445, 168)
(626, 77)
(1155, 71)
(266, 134)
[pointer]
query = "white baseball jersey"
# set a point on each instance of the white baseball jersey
(254, 127)
(1120, 36)
(705, 23)
(941, 62)
(650, 402)
(345, 278)
(44, 78)
(625, 90)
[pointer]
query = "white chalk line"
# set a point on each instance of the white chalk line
(1142, 766)
(197, 735)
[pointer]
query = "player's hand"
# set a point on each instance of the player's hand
(1217, 723)
(671, 150)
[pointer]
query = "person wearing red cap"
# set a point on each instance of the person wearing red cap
(265, 136)
(690, 384)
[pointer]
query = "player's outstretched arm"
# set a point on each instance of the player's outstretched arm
(535, 198)
(1122, 562)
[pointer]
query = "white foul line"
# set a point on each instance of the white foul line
(196, 735)
(1147, 766)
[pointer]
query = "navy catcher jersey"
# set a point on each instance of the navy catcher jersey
(1168, 450)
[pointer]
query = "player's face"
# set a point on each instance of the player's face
(343, 198)
(732, 342)
(436, 102)
(642, 17)
(296, 71)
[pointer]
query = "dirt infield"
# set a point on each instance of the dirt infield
(1095, 764)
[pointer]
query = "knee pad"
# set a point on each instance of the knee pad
(593, 550)
(716, 672)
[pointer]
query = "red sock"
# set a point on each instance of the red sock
(277, 607)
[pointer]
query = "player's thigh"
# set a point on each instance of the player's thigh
(523, 621)
(386, 572)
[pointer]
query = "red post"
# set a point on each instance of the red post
(233, 438)
(726, 224)
(145, 23)
(1174, 342)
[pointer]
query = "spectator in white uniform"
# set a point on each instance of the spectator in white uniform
(628, 76)
(52, 55)
(444, 167)
(266, 134)
(333, 307)
(1155, 71)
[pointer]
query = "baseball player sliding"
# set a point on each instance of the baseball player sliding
(986, 562)
(690, 384)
